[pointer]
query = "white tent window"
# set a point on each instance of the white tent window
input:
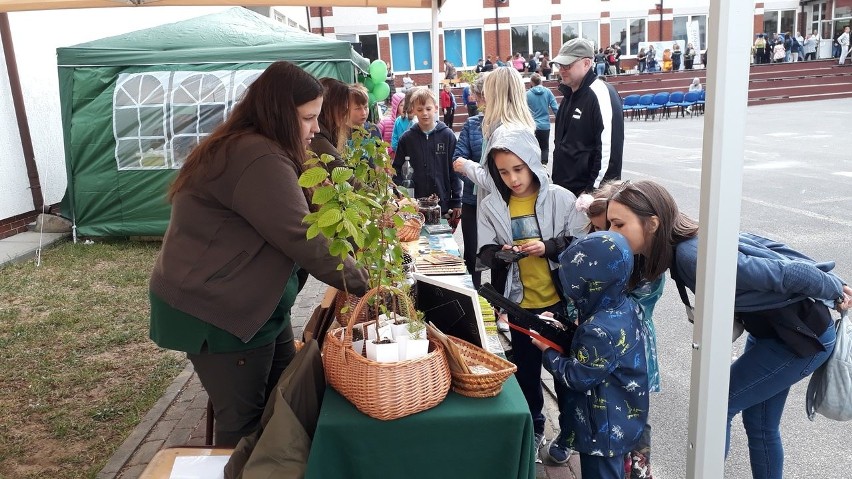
(139, 120)
(198, 105)
(158, 117)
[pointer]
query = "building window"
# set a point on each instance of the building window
(411, 51)
(629, 32)
(463, 47)
(682, 26)
(588, 30)
(779, 21)
(159, 117)
(842, 16)
(819, 21)
(367, 44)
(527, 39)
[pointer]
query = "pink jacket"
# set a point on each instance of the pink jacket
(385, 125)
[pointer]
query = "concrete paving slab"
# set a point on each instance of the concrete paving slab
(24, 246)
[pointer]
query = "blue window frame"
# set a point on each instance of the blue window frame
(453, 47)
(422, 50)
(400, 52)
(472, 46)
(411, 51)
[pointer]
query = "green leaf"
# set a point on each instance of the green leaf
(341, 175)
(353, 231)
(313, 177)
(313, 231)
(322, 195)
(330, 218)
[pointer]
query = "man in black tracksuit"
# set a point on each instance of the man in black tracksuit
(589, 134)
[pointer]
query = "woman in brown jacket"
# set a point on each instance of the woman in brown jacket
(224, 282)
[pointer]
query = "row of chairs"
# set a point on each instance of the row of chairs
(650, 103)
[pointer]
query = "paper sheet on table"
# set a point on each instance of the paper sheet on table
(199, 467)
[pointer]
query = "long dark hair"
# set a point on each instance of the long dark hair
(334, 116)
(646, 199)
(268, 108)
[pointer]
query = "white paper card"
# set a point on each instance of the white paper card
(199, 467)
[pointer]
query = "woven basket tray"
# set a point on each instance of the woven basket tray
(384, 390)
(480, 385)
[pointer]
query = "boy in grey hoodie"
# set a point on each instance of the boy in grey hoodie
(522, 211)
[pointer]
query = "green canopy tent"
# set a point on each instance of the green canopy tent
(134, 105)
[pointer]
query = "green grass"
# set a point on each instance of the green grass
(77, 370)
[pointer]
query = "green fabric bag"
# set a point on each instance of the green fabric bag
(280, 448)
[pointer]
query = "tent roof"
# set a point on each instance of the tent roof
(21, 5)
(236, 35)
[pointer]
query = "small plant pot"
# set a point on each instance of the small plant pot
(399, 331)
(413, 348)
(387, 352)
(358, 338)
(385, 331)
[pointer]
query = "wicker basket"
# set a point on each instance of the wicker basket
(384, 390)
(349, 301)
(480, 385)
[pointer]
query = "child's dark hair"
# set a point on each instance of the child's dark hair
(505, 191)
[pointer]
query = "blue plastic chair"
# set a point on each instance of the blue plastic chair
(659, 101)
(644, 102)
(629, 105)
(674, 100)
(700, 102)
(688, 100)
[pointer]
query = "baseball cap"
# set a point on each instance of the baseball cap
(573, 50)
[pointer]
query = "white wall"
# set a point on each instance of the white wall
(36, 35)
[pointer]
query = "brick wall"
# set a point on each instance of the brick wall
(16, 224)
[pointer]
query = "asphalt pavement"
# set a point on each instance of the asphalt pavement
(797, 188)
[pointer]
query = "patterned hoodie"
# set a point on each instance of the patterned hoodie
(605, 370)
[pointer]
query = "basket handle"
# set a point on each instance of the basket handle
(398, 293)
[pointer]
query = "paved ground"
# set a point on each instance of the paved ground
(798, 165)
(179, 418)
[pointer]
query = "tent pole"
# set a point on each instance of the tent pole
(436, 78)
(21, 112)
(721, 191)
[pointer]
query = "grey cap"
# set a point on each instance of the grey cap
(573, 50)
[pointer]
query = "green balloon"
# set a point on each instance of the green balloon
(369, 84)
(381, 91)
(371, 97)
(378, 71)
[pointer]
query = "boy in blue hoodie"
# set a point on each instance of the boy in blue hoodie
(605, 371)
(540, 99)
(429, 145)
(522, 210)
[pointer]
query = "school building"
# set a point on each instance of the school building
(473, 29)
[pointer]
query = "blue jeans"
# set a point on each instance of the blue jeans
(760, 381)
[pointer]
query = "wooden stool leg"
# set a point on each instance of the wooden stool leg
(208, 436)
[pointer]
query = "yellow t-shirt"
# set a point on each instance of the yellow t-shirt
(539, 290)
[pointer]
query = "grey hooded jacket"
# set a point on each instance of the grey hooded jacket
(557, 217)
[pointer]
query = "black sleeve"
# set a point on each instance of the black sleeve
(554, 246)
(499, 268)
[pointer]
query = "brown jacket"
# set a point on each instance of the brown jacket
(233, 239)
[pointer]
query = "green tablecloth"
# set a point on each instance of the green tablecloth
(460, 438)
